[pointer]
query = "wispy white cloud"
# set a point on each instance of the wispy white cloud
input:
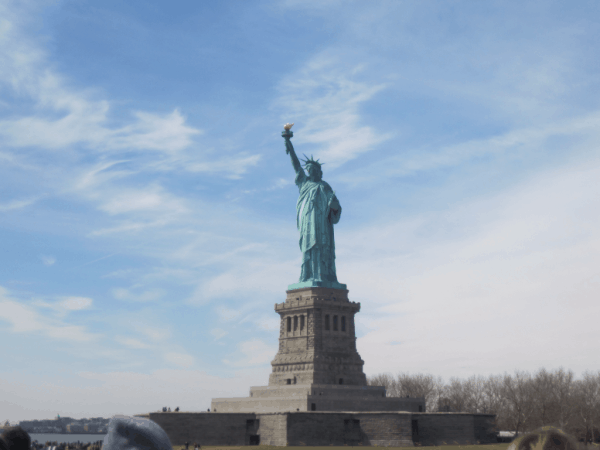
(128, 226)
(233, 167)
(75, 303)
(268, 322)
(64, 117)
(323, 98)
(150, 199)
(180, 359)
(281, 183)
(228, 314)
(150, 131)
(253, 352)
(154, 332)
(71, 121)
(218, 333)
(25, 318)
(240, 278)
(136, 295)
(16, 204)
(48, 260)
(65, 305)
(132, 343)
(517, 143)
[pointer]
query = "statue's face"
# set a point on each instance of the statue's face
(314, 172)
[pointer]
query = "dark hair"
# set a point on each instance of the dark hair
(16, 438)
(3, 445)
(548, 438)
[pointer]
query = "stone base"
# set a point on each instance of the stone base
(350, 428)
(314, 397)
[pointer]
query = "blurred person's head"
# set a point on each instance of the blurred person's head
(135, 433)
(16, 438)
(545, 438)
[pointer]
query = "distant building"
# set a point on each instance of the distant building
(66, 425)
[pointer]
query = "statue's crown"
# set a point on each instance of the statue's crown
(310, 161)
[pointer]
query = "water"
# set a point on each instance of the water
(54, 437)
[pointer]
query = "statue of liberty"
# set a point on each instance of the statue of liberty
(317, 210)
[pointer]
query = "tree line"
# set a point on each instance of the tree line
(521, 402)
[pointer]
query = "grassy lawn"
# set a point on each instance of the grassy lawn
(503, 446)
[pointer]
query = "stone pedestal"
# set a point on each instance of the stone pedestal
(317, 366)
(317, 339)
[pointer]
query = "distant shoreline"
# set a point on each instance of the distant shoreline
(67, 437)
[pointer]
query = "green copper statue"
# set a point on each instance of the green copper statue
(317, 210)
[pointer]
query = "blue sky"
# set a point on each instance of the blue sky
(147, 206)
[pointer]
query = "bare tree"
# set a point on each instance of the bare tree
(454, 395)
(387, 380)
(518, 392)
(520, 401)
(587, 395)
(543, 382)
(475, 395)
(562, 393)
(420, 385)
(494, 401)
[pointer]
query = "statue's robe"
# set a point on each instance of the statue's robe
(315, 217)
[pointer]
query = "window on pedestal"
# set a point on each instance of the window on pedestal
(335, 323)
(301, 323)
(327, 322)
(289, 324)
(343, 323)
(295, 323)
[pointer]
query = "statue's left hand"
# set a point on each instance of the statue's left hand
(334, 203)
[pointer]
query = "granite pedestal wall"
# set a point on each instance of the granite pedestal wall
(402, 429)
(351, 428)
(206, 428)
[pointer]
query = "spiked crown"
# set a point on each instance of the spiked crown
(309, 161)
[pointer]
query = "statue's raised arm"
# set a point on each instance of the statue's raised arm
(287, 133)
